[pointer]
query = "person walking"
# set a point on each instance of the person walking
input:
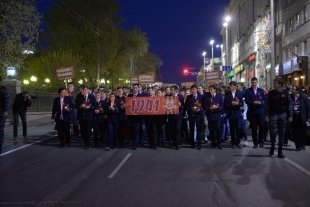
(255, 98)
(233, 103)
(61, 113)
(214, 108)
(4, 105)
(279, 109)
(195, 111)
(301, 115)
(21, 102)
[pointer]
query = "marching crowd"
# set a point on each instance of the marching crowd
(206, 115)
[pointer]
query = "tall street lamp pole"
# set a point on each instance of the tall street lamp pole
(204, 59)
(211, 43)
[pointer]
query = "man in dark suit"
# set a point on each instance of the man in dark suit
(193, 106)
(175, 120)
(21, 102)
(136, 121)
(61, 112)
(255, 98)
(232, 105)
(213, 105)
(85, 103)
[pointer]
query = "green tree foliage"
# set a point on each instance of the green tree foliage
(19, 30)
(90, 30)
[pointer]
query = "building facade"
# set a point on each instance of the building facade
(255, 44)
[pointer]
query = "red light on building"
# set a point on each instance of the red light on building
(185, 71)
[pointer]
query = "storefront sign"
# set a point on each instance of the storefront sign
(252, 57)
(230, 74)
(152, 105)
(238, 68)
(287, 67)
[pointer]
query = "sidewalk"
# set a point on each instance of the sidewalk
(38, 124)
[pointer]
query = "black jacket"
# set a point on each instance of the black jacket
(20, 103)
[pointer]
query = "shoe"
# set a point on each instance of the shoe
(211, 146)
(154, 147)
(107, 149)
(271, 152)
(281, 155)
(219, 147)
(255, 146)
(61, 145)
(261, 145)
(285, 144)
(298, 148)
(199, 147)
(245, 143)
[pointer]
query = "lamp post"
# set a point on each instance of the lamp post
(225, 24)
(211, 43)
(204, 53)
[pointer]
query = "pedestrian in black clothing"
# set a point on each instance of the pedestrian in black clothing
(301, 115)
(61, 113)
(85, 105)
(21, 102)
(195, 111)
(279, 109)
(175, 120)
(4, 105)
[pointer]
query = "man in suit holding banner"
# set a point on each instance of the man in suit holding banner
(175, 120)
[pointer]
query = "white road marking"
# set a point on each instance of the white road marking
(22, 147)
(299, 167)
(120, 165)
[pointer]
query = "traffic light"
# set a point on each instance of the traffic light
(185, 71)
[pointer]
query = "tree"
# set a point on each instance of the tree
(19, 30)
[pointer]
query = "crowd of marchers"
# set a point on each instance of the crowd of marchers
(208, 115)
(205, 115)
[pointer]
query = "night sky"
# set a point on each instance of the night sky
(178, 31)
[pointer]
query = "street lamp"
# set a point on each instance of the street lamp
(211, 43)
(225, 24)
(33, 78)
(47, 80)
(204, 59)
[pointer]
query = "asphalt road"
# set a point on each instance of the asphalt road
(39, 173)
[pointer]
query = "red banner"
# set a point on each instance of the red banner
(152, 105)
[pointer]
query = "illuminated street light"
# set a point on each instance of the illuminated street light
(47, 80)
(27, 52)
(204, 59)
(26, 82)
(33, 78)
(102, 81)
(80, 81)
(227, 18)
